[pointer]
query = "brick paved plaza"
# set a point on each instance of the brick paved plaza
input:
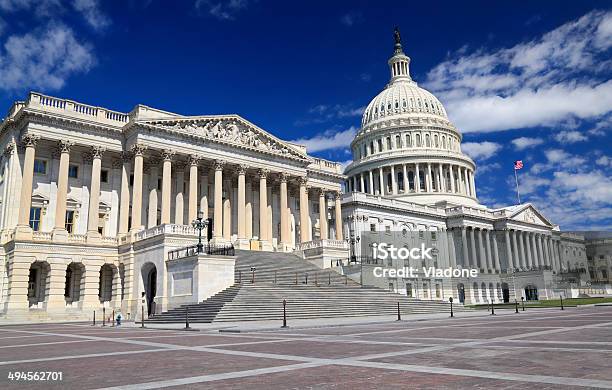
(543, 349)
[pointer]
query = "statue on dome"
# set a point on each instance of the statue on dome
(397, 36)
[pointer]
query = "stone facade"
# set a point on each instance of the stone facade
(93, 200)
(409, 174)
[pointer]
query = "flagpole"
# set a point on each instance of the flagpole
(518, 193)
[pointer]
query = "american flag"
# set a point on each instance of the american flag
(518, 164)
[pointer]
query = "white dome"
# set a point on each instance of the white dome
(402, 98)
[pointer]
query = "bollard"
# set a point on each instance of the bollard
(142, 316)
(94, 319)
(306, 277)
(187, 317)
(399, 316)
(523, 302)
(492, 308)
(450, 299)
(296, 278)
(113, 319)
(284, 313)
(103, 316)
(516, 306)
(328, 278)
(561, 296)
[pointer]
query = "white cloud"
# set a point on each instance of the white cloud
(92, 13)
(223, 9)
(604, 161)
(556, 78)
(44, 59)
(322, 113)
(484, 168)
(480, 150)
(523, 143)
(570, 136)
(351, 18)
(328, 140)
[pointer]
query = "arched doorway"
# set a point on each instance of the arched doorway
(505, 292)
(461, 292)
(105, 285)
(149, 278)
(72, 285)
(531, 293)
(37, 283)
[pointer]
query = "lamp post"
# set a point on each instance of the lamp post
(523, 302)
(451, 303)
(200, 224)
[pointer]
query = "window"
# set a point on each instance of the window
(372, 227)
(40, 167)
(388, 229)
(409, 290)
(131, 180)
(438, 294)
(69, 223)
(35, 218)
(104, 176)
(73, 171)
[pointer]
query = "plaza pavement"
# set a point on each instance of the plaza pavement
(538, 348)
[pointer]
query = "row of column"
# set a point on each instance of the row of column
(136, 158)
(29, 141)
(524, 250)
(418, 177)
(527, 250)
(222, 220)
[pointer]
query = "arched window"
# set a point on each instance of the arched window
(418, 140)
(436, 140)
(389, 143)
(398, 141)
(427, 141)
(410, 180)
(380, 145)
(400, 181)
(443, 142)
(408, 140)
(422, 178)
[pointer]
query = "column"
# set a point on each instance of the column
(452, 178)
(227, 209)
(62, 185)
(474, 261)
(124, 209)
(25, 200)
(323, 214)
(393, 183)
(242, 202)
(93, 219)
(468, 192)
(488, 253)
(166, 186)
(218, 210)
(138, 151)
(194, 160)
(179, 206)
(361, 182)
(153, 176)
(509, 249)
(263, 205)
(371, 180)
(518, 260)
(204, 194)
(496, 253)
(285, 228)
(541, 261)
(338, 210)
(546, 250)
(304, 213)
(429, 179)
(381, 181)
(528, 248)
(472, 184)
(524, 261)
(248, 209)
(417, 184)
(481, 250)
(406, 187)
(464, 244)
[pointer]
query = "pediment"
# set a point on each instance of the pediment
(232, 130)
(530, 214)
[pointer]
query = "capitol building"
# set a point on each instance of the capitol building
(95, 204)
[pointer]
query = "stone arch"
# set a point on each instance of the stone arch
(461, 292)
(505, 290)
(74, 283)
(492, 292)
(148, 273)
(38, 283)
(108, 283)
(531, 292)
(483, 292)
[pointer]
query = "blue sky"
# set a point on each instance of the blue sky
(521, 80)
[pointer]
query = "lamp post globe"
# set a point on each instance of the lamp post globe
(200, 224)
